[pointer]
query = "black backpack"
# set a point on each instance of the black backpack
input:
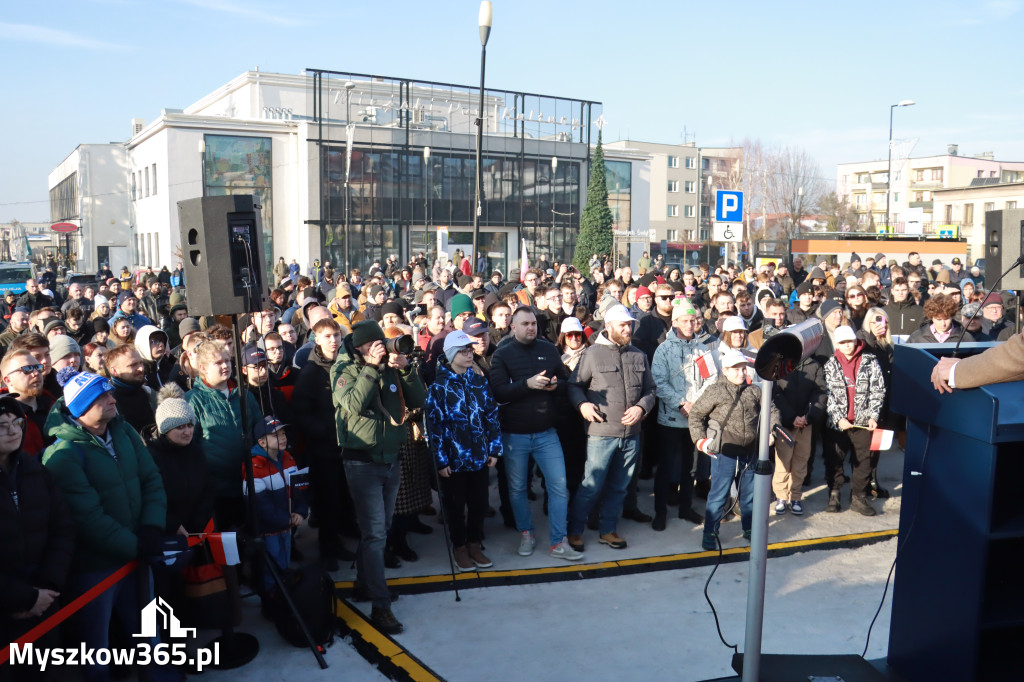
(312, 590)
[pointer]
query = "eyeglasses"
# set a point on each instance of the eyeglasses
(29, 369)
(855, 294)
(467, 350)
(12, 426)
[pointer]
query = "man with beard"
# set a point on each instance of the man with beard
(128, 375)
(23, 375)
(614, 404)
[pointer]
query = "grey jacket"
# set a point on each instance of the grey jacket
(614, 378)
(677, 377)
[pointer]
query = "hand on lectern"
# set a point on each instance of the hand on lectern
(940, 374)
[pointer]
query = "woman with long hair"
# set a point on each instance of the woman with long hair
(95, 362)
(856, 305)
(122, 332)
(877, 337)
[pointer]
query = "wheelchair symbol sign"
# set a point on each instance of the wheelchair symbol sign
(728, 232)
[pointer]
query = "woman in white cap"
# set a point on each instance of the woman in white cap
(572, 342)
(856, 392)
(571, 427)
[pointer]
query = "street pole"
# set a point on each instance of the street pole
(349, 136)
(888, 177)
(426, 197)
(484, 22)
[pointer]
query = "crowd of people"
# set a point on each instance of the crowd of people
(121, 423)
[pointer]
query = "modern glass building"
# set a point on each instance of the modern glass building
(397, 169)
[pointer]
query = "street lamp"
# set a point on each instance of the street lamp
(426, 197)
(485, 32)
(888, 177)
(350, 130)
(554, 173)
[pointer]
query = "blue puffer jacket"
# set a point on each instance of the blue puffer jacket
(276, 497)
(462, 420)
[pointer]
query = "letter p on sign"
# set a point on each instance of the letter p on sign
(728, 206)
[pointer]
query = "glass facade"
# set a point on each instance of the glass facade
(396, 199)
(618, 178)
(242, 165)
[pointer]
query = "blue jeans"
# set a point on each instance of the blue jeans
(94, 619)
(279, 547)
(374, 488)
(610, 466)
(547, 452)
(723, 468)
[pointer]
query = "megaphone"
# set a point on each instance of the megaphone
(781, 352)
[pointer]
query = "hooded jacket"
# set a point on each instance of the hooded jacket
(737, 408)
(615, 378)
(111, 498)
(462, 420)
(220, 427)
(276, 497)
(905, 317)
(677, 377)
(801, 393)
(158, 372)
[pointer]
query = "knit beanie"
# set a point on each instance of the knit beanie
(827, 306)
(461, 303)
(391, 308)
(100, 324)
(63, 346)
(365, 332)
(81, 389)
(187, 326)
(172, 410)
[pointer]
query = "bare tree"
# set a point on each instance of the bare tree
(795, 185)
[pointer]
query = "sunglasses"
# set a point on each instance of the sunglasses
(855, 295)
(29, 369)
(666, 298)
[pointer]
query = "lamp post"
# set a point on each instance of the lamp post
(554, 172)
(888, 177)
(350, 130)
(202, 164)
(484, 22)
(426, 197)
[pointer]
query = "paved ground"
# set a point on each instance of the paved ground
(651, 624)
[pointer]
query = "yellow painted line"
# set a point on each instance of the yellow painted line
(641, 561)
(370, 634)
(416, 671)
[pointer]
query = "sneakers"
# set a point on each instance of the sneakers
(747, 534)
(833, 502)
(563, 550)
(710, 542)
(612, 540)
(384, 620)
(659, 522)
(861, 505)
(462, 560)
(691, 515)
(780, 507)
(796, 507)
(477, 556)
(576, 542)
(527, 543)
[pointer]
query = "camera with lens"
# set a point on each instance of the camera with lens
(403, 345)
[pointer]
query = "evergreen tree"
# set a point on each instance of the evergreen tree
(596, 226)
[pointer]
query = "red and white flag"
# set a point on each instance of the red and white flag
(706, 365)
(881, 439)
(524, 262)
(224, 547)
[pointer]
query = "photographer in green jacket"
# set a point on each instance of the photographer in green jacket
(373, 391)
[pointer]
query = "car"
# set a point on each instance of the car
(13, 276)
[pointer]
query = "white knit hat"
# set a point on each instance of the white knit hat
(172, 410)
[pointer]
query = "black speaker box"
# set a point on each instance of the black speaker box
(1004, 242)
(222, 251)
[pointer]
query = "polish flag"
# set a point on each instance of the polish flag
(881, 439)
(524, 262)
(224, 547)
(706, 366)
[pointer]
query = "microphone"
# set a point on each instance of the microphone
(995, 287)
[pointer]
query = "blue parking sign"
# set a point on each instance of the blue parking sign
(728, 206)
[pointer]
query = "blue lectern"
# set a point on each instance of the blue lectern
(958, 598)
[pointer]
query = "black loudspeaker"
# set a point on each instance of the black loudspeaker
(1004, 242)
(222, 251)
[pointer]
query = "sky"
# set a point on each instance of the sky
(811, 75)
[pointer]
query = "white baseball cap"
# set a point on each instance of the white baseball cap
(457, 339)
(618, 313)
(844, 333)
(734, 323)
(572, 324)
(733, 357)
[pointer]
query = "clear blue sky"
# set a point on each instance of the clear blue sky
(816, 75)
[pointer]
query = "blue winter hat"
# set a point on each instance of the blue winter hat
(81, 389)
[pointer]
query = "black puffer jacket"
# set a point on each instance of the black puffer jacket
(312, 404)
(905, 317)
(186, 481)
(37, 537)
(802, 394)
(523, 409)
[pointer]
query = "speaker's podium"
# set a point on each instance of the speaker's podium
(958, 598)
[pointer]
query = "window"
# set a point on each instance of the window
(673, 210)
(690, 211)
(990, 206)
(154, 179)
(863, 178)
(134, 188)
(949, 213)
(936, 175)
(691, 162)
(672, 235)
(992, 174)
(896, 197)
(673, 162)
(968, 214)
(919, 175)
(146, 170)
(896, 176)
(919, 196)
(688, 235)
(703, 235)
(705, 164)
(673, 185)
(690, 186)
(1010, 205)
(981, 174)
(860, 200)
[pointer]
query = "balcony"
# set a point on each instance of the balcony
(926, 184)
(879, 185)
(922, 204)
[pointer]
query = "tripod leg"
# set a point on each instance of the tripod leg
(447, 535)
